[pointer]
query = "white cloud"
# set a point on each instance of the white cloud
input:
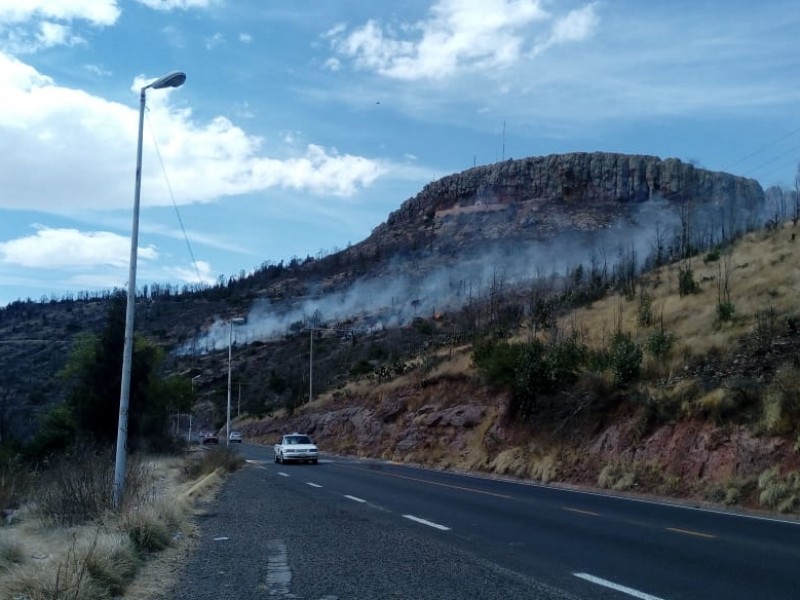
(576, 26)
(87, 144)
(245, 38)
(98, 70)
(458, 35)
(65, 248)
(190, 275)
(97, 12)
(55, 34)
(214, 41)
(176, 4)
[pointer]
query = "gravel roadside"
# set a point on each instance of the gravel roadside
(268, 537)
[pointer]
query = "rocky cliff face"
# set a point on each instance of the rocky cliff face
(540, 197)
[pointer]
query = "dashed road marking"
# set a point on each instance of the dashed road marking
(282, 474)
(316, 485)
(354, 498)
(616, 587)
(221, 538)
(426, 522)
(582, 512)
(447, 485)
(690, 532)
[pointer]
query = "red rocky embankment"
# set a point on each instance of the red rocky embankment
(435, 427)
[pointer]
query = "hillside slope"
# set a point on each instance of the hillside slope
(715, 419)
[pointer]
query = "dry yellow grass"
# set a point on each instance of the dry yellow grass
(763, 274)
(99, 560)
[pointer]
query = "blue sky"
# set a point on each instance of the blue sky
(303, 124)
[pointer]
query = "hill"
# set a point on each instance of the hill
(383, 335)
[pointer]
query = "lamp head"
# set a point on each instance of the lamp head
(174, 79)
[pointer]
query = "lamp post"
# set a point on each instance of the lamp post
(232, 322)
(174, 79)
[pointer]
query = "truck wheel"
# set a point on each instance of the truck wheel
(313, 461)
(277, 459)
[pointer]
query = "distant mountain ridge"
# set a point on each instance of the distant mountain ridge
(538, 198)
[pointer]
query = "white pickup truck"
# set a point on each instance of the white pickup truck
(296, 447)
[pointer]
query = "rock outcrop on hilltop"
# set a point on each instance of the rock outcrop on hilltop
(539, 197)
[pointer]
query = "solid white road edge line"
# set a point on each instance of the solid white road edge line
(616, 587)
(282, 474)
(313, 484)
(354, 499)
(426, 522)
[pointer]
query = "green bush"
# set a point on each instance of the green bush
(686, 283)
(725, 311)
(626, 358)
(496, 362)
(660, 343)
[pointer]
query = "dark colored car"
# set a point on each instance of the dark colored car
(209, 438)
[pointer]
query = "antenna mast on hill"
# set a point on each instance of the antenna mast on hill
(504, 139)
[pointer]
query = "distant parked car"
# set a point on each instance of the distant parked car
(296, 447)
(235, 437)
(209, 437)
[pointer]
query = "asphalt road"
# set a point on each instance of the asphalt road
(360, 529)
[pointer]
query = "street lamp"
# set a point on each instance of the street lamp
(232, 322)
(174, 79)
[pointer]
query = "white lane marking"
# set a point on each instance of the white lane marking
(354, 499)
(616, 587)
(279, 575)
(282, 474)
(316, 485)
(428, 523)
(221, 538)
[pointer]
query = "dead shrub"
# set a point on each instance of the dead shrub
(77, 488)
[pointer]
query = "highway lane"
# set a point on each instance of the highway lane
(577, 541)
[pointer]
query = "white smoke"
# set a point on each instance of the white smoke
(397, 296)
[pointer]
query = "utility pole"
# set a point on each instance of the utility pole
(310, 363)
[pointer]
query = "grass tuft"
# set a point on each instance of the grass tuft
(779, 493)
(147, 530)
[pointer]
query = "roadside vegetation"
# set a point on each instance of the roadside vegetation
(62, 539)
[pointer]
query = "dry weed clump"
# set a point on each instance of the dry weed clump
(76, 488)
(620, 475)
(781, 402)
(110, 560)
(779, 493)
(147, 529)
(202, 463)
